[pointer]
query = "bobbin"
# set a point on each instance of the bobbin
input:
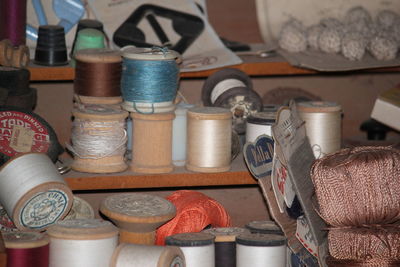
(219, 144)
(20, 57)
(139, 255)
(137, 215)
(106, 118)
(150, 55)
(98, 58)
(33, 192)
(82, 242)
(152, 142)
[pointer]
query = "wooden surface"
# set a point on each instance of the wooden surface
(238, 175)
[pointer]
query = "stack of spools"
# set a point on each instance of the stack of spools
(358, 196)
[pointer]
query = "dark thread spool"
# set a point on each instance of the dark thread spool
(13, 21)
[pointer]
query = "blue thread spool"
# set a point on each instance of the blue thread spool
(150, 79)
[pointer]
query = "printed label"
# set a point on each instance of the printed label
(258, 156)
(20, 132)
(304, 235)
(43, 209)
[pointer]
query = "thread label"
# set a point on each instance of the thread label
(43, 209)
(304, 235)
(258, 156)
(20, 132)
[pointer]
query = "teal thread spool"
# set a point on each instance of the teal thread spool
(150, 79)
(88, 38)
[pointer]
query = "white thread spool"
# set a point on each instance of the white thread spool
(179, 134)
(33, 192)
(209, 139)
(258, 124)
(323, 125)
(99, 139)
(82, 242)
(137, 215)
(198, 248)
(260, 250)
(136, 255)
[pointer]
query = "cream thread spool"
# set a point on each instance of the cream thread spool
(82, 242)
(137, 215)
(258, 124)
(198, 248)
(323, 125)
(99, 139)
(33, 192)
(152, 142)
(209, 139)
(260, 250)
(97, 94)
(139, 255)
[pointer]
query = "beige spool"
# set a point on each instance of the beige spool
(33, 192)
(20, 57)
(24, 239)
(99, 139)
(82, 242)
(135, 255)
(6, 52)
(152, 142)
(323, 125)
(137, 215)
(209, 139)
(99, 56)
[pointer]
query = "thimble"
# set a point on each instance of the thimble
(51, 49)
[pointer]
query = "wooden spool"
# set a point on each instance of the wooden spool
(152, 142)
(6, 52)
(137, 215)
(209, 139)
(102, 162)
(20, 57)
(98, 95)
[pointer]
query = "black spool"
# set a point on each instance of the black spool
(261, 240)
(264, 227)
(51, 49)
(197, 239)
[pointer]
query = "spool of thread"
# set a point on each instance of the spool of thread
(84, 242)
(150, 79)
(137, 215)
(87, 24)
(139, 255)
(264, 227)
(98, 76)
(209, 139)
(27, 249)
(194, 212)
(323, 125)
(99, 139)
(358, 186)
(225, 244)
(33, 192)
(87, 38)
(179, 134)
(258, 124)
(20, 57)
(13, 21)
(198, 248)
(260, 250)
(6, 52)
(152, 142)
(51, 49)
(232, 89)
(81, 209)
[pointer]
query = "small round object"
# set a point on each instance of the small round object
(264, 227)
(292, 37)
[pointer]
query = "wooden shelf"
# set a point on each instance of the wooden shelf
(238, 175)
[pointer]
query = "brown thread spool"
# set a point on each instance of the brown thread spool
(137, 215)
(98, 76)
(152, 142)
(358, 186)
(99, 139)
(6, 52)
(209, 139)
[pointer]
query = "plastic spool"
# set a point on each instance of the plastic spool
(33, 192)
(225, 244)
(99, 139)
(260, 250)
(323, 125)
(138, 255)
(152, 142)
(25, 131)
(151, 71)
(85, 242)
(232, 89)
(27, 249)
(81, 209)
(258, 124)
(209, 139)
(264, 227)
(179, 134)
(137, 215)
(90, 87)
(198, 248)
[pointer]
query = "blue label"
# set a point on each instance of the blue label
(258, 156)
